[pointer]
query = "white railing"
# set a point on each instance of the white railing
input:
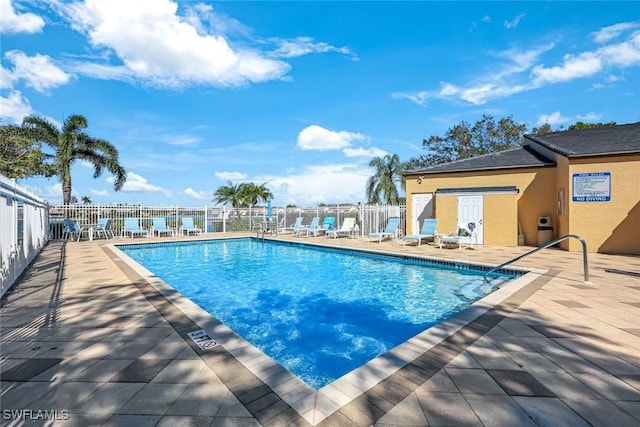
(23, 230)
(370, 218)
(88, 215)
(27, 222)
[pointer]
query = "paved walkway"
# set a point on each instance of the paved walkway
(91, 341)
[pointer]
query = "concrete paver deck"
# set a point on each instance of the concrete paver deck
(88, 338)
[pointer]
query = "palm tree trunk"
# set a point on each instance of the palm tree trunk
(66, 197)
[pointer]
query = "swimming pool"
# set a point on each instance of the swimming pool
(319, 312)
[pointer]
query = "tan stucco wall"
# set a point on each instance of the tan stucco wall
(563, 183)
(608, 227)
(614, 226)
(501, 211)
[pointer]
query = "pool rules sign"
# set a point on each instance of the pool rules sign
(202, 340)
(592, 187)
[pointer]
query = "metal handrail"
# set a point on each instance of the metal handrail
(546, 245)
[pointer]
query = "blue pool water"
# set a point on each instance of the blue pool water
(319, 312)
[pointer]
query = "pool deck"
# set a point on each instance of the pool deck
(87, 336)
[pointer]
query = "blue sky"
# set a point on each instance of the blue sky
(301, 95)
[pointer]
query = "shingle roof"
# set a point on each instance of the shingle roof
(608, 140)
(522, 157)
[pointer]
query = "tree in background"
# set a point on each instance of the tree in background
(583, 125)
(231, 194)
(465, 140)
(86, 200)
(382, 187)
(253, 194)
(71, 143)
(21, 155)
(545, 128)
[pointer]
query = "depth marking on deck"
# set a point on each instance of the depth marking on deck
(202, 339)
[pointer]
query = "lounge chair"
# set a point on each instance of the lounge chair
(280, 228)
(391, 230)
(71, 229)
(160, 226)
(188, 227)
(465, 234)
(294, 228)
(348, 226)
(104, 228)
(311, 228)
(428, 231)
(132, 226)
(328, 223)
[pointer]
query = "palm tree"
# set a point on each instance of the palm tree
(382, 187)
(230, 193)
(86, 200)
(71, 143)
(254, 194)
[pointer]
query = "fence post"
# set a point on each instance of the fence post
(224, 218)
(206, 221)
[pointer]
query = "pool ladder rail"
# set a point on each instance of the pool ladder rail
(264, 228)
(546, 245)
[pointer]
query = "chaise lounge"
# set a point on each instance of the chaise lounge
(346, 229)
(390, 231)
(466, 234)
(428, 231)
(132, 227)
(188, 227)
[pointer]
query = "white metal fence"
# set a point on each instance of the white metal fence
(23, 230)
(27, 222)
(370, 218)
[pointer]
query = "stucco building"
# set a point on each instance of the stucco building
(584, 182)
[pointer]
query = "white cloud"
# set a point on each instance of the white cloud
(317, 138)
(52, 193)
(139, 184)
(625, 54)
(182, 140)
(99, 192)
(291, 48)
(514, 22)
(522, 70)
(500, 83)
(12, 21)
(554, 119)
(589, 117)
(149, 42)
(37, 71)
(611, 32)
(419, 98)
(364, 152)
(232, 176)
(320, 184)
(15, 107)
(199, 195)
(6, 78)
(573, 67)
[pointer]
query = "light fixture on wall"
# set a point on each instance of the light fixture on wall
(420, 178)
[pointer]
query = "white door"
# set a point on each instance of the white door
(421, 208)
(470, 209)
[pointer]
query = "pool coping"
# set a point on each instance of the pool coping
(316, 406)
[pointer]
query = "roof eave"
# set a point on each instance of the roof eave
(616, 153)
(430, 172)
